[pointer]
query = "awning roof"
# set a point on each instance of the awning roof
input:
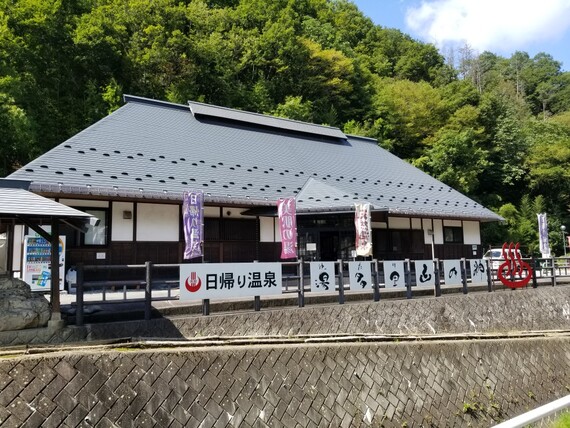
(21, 203)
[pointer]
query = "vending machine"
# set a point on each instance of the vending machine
(37, 262)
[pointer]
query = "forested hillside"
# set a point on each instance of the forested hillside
(496, 129)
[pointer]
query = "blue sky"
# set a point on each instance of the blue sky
(498, 26)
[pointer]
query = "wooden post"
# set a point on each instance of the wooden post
(340, 283)
(55, 302)
(148, 291)
(376, 281)
(301, 290)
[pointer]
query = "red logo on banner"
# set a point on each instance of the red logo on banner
(193, 283)
(514, 266)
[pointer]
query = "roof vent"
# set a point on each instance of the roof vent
(117, 152)
(81, 152)
(71, 169)
(93, 149)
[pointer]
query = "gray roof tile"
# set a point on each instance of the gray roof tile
(153, 149)
(20, 202)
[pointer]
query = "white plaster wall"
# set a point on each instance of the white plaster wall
(399, 222)
(266, 229)
(233, 212)
(452, 223)
(416, 224)
(379, 225)
(122, 229)
(212, 212)
(157, 222)
(276, 231)
(84, 203)
(471, 233)
(438, 231)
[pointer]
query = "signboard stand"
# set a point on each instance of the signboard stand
(464, 276)
(256, 303)
(408, 276)
(205, 307)
(301, 289)
(489, 276)
(437, 283)
(376, 284)
(340, 283)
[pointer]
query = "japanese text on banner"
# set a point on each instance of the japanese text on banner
(193, 218)
(286, 209)
(363, 229)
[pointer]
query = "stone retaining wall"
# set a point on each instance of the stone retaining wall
(544, 308)
(430, 384)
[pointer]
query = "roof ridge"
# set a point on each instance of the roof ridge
(285, 119)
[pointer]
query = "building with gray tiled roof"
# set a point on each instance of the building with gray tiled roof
(132, 167)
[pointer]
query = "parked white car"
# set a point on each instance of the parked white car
(495, 255)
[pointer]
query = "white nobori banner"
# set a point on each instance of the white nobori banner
(224, 280)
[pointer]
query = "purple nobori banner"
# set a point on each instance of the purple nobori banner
(287, 211)
(543, 235)
(193, 218)
(363, 229)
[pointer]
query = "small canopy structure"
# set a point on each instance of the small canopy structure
(19, 206)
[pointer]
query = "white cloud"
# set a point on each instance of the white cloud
(495, 25)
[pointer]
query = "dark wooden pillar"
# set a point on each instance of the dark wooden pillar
(55, 303)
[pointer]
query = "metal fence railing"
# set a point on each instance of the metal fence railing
(537, 414)
(151, 282)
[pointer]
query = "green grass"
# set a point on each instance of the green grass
(563, 421)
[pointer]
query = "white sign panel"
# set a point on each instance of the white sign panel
(424, 273)
(360, 275)
(224, 280)
(478, 270)
(394, 274)
(452, 272)
(322, 276)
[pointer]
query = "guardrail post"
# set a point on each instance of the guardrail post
(148, 291)
(256, 303)
(301, 289)
(376, 281)
(408, 278)
(436, 273)
(340, 283)
(464, 275)
(79, 295)
(553, 264)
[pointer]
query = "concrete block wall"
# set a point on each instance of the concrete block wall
(430, 384)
